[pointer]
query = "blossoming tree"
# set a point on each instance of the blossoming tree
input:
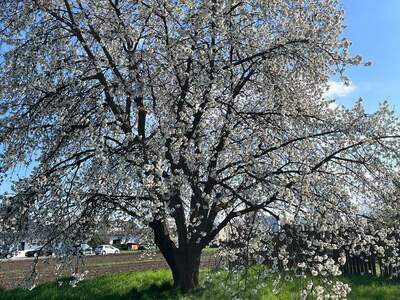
(184, 115)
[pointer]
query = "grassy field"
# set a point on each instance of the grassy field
(157, 285)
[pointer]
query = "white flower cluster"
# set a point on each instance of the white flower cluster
(77, 277)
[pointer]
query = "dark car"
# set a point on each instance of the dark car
(3, 253)
(38, 251)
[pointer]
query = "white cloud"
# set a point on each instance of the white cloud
(338, 90)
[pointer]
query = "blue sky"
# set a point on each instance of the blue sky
(374, 28)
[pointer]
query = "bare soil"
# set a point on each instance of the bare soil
(13, 273)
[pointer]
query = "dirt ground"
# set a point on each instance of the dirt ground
(13, 272)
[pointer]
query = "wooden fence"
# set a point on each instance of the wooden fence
(371, 265)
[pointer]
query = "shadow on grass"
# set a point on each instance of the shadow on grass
(154, 291)
(48, 291)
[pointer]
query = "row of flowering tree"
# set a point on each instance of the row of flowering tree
(315, 253)
(182, 116)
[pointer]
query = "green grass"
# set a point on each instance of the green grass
(140, 285)
(372, 288)
(157, 285)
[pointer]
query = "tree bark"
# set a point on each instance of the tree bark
(184, 262)
(186, 272)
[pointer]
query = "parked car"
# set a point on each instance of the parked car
(106, 249)
(85, 249)
(82, 249)
(64, 249)
(38, 251)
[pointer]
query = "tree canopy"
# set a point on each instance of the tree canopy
(183, 115)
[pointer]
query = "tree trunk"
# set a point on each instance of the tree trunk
(186, 271)
(184, 262)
